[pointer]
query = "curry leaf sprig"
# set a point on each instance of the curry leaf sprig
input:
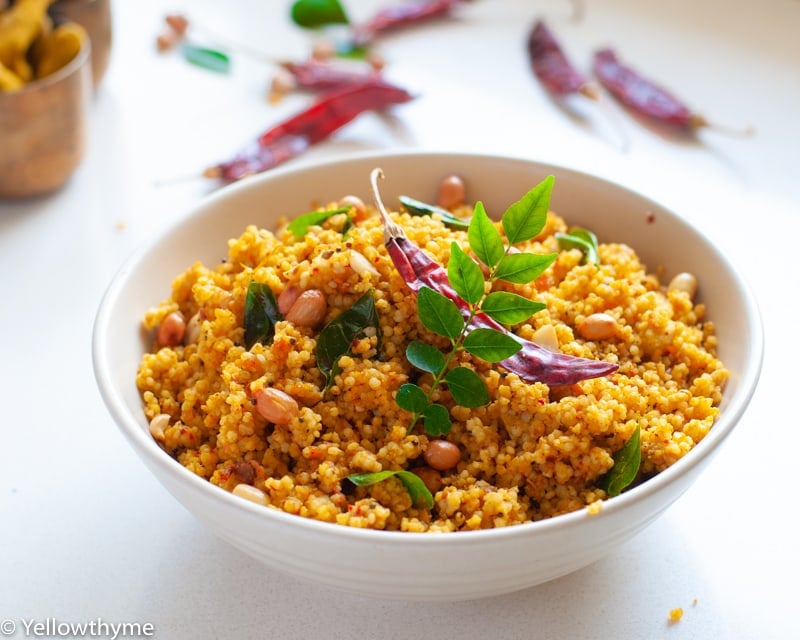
(440, 313)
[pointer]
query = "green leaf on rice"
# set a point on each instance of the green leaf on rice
(525, 219)
(626, 466)
(425, 357)
(465, 275)
(411, 398)
(491, 345)
(467, 387)
(300, 225)
(583, 240)
(419, 208)
(337, 336)
(484, 238)
(439, 313)
(421, 496)
(510, 308)
(260, 314)
(522, 268)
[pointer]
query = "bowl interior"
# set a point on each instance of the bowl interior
(664, 241)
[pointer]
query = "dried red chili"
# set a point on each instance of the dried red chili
(401, 15)
(291, 137)
(644, 96)
(532, 363)
(552, 67)
(322, 76)
(641, 94)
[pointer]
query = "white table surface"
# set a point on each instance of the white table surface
(88, 534)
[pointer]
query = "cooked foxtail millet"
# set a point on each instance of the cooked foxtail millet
(265, 424)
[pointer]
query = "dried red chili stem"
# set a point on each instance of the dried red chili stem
(401, 15)
(532, 363)
(644, 96)
(291, 137)
(552, 67)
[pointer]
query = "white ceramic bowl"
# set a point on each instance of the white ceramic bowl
(450, 566)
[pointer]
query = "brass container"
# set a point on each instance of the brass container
(95, 17)
(44, 129)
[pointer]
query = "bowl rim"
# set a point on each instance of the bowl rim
(148, 449)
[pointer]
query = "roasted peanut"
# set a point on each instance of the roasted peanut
(359, 209)
(276, 406)
(309, 309)
(451, 192)
(430, 477)
(287, 298)
(171, 330)
(598, 326)
(442, 454)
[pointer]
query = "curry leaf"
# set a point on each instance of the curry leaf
(484, 239)
(465, 275)
(299, 226)
(583, 240)
(439, 313)
(522, 268)
(525, 218)
(436, 420)
(260, 314)
(491, 345)
(336, 337)
(626, 466)
(317, 13)
(510, 308)
(411, 398)
(467, 387)
(419, 493)
(424, 356)
(206, 58)
(419, 208)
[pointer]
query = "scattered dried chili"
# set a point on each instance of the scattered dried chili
(644, 96)
(397, 16)
(291, 137)
(552, 67)
(322, 76)
(532, 362)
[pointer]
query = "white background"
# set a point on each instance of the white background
(87, 533)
